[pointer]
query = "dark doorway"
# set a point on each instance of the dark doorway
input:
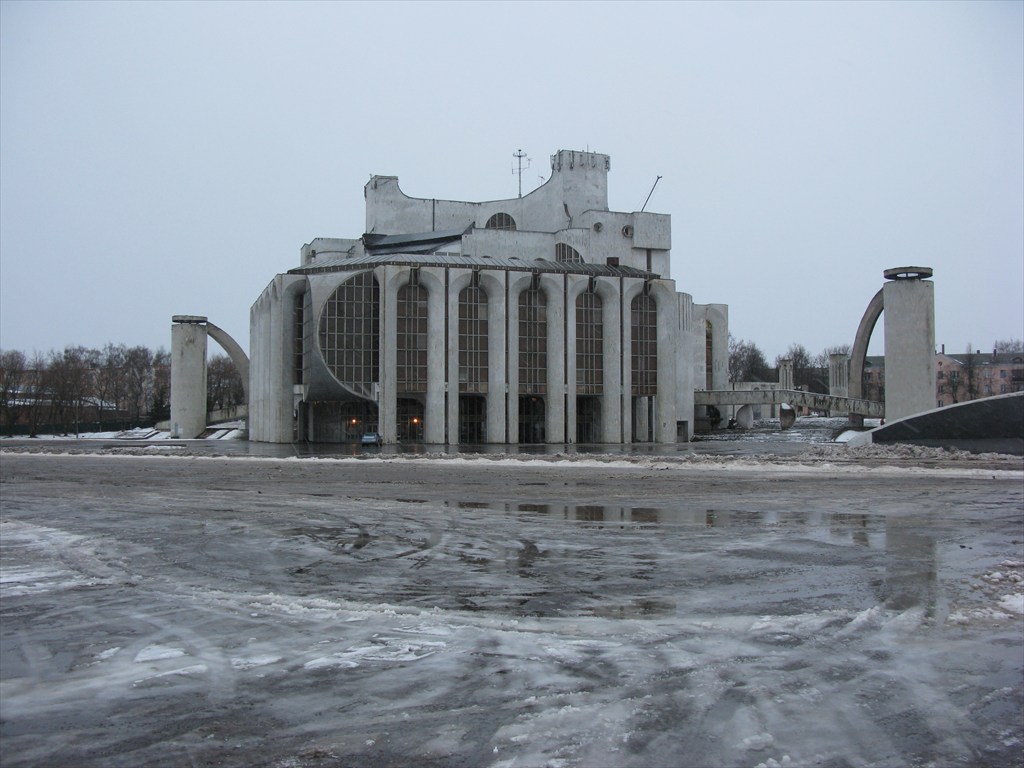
(531, 419)
(588, 419)
(410, 420)
(472, 419)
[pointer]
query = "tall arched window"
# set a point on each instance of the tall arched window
(411, 341)
(644, 335)
(533, 340)
(567, 253)
(473, 338)
(349, 333)
(500, 221)
(589, 344)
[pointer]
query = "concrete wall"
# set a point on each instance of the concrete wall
(571, 207)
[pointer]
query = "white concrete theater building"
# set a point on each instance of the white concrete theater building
(541, 319)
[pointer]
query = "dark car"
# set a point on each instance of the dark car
(371, 438)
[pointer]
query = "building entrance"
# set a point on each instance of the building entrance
(409, 428)
(342, 422)
(472, 419)
(531, 419)
(588, 419)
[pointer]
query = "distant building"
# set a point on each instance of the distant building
(959, 376)
(545, 318)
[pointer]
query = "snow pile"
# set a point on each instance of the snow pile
(999, 592)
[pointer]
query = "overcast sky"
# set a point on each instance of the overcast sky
(158, 159)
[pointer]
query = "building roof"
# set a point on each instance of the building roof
(423, 242)
(434, 259)
(963, 358)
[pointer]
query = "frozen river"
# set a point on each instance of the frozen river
(700, 611)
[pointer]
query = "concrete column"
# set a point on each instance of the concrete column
(684, 365)
(255, 410)
(575, 285)
(457, 280)
(278, 371)
(390, 278)
(664, 295)
(554, 294)
(785, 373)
(631, 288)
(188, 376)
(909, 343)
(611, 319)
(493, 282)
(839, 378)
(434, 412)
(517, 283)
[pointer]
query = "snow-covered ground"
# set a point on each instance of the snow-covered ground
(509, 611)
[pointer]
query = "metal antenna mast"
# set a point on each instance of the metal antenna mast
(520, 155)
(648, 194)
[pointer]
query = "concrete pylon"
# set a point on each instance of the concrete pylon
(839, 377)
(188, 376)
(909, 317)
(785, 373)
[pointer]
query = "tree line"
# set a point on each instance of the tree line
(810, 372)
(81, 389)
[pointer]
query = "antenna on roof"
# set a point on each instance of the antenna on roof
(650, 193)
(520, 156)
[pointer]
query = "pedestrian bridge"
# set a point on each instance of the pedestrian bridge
(812, 400)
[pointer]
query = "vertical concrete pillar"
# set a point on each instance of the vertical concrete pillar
(684, 367)
(668, 339)
(457, 280)
(389, 279)
(517, 283)
(909, 341)
(433, 412)
(554, 294)
(493, 282)
(631, 288)
(574, 286)
(188, 376)
(785, 373)
(839, 378)
(611, 320)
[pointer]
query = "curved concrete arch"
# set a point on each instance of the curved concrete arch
(859, 353)
(234, 350)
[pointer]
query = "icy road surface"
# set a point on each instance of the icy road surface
(176, 611)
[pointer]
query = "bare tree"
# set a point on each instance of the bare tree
(138, 368)
(746, 361)
(223, 384)
(804, 374)
(67, 382)
(821, 360)
(34, 391)
(12, 384)
(110, 381)
(160, 399)
(1008, 346)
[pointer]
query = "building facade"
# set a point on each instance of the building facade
(959, 377)
(541, 319)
